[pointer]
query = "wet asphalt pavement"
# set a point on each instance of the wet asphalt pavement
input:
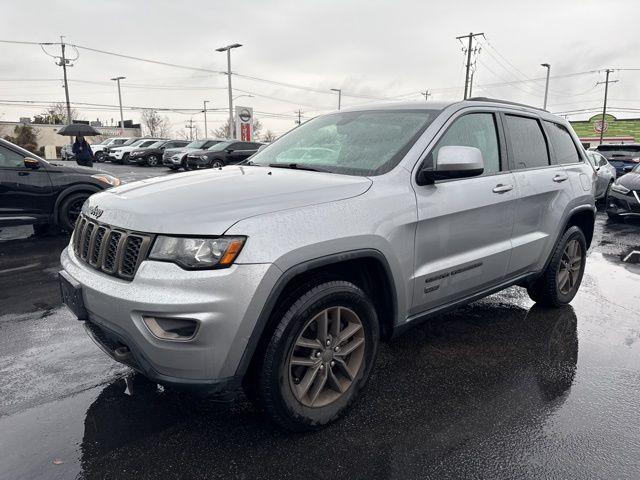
(498, 389)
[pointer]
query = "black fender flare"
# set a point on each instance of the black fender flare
(290, 273)
(82, 187)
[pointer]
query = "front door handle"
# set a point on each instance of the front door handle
(560, 178)
(23, 174)
(500, 188)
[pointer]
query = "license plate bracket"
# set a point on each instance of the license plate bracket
(71, 294)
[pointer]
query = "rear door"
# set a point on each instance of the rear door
(544, 190)
(463, 235)
(240, 151)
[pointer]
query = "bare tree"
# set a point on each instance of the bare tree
(154, 124)
(189, 133)
(269, 136)
(56, 114)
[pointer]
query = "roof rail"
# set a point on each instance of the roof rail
(506, 102)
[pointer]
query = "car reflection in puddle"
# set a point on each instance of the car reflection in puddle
(435, 389)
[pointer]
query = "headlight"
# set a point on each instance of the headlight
(203, 157)
(135, 154)
(197, 253)
(616, 187)
(108, 179)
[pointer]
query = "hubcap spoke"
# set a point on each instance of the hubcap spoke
(342, 366)
(307, 380)
(308, 343)
(350, 347)
(322, 321)
(320, 382)
(306, 362)
(570, 265)
(349, 332)
(333, 382)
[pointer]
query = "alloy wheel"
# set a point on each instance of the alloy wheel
(152, 161)
(217, 164)
(74, 210)
(326, 357)
(570, 265)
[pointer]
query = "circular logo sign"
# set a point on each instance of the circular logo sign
(245, 115)
(600, 127)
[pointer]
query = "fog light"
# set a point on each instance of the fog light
(171, 328)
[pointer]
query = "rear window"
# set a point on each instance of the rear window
(613, 151)
(563, 146)
(529, 147)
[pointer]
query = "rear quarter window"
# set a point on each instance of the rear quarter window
(563, 147)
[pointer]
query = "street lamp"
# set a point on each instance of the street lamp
(228, 50)
(117, 79)
(339, 95)
(238, 96)
(205, 118)
(546, 86)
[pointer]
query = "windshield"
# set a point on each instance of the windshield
(351, 143)
(218, 147)
(197, 144)
(613, 151)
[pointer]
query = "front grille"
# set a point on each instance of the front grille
(111, 250)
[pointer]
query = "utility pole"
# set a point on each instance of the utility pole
(189, 125)
(546, 85)
(228, 50)
(471, 82)
(63, 63)
(339, 96)
(205, 118)
(426, 95)
(470, 50)
(117, 79)
(606, 92)
(299, 121)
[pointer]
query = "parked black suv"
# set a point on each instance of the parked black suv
(152, 155)
(221, 154)
(40, 193)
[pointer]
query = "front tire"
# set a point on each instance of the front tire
(99, 157)
(152, 161)
(561, 280)
(319, 356)
(70, 210)
(217, 163)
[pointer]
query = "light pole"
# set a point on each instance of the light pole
(339, 95)
(238, 96)
(117, 79)
(228, 50)
(205, 118)
(546, 86)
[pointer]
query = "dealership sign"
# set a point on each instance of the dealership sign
(600, 126)
(244, 124)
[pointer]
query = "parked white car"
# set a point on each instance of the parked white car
(98, 148)
(121, 154)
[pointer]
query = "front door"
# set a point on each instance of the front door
(25, 193)
(463, 236)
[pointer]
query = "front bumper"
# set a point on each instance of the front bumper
(171, 161)
(197, 162)
(226, 304)
(623, 204)
(139, 160)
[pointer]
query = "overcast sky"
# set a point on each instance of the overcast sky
(373, 49)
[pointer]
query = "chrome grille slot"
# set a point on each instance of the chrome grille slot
(111, 250)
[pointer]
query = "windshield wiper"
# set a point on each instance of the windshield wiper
(298, 166)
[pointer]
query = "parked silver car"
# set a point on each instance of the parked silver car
(283, 275)
(606, 174)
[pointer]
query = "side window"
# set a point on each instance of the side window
(603, 161)
(474, 130)
(527, 142)
(10, 159)
(563, 146)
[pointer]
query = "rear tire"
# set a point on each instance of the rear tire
(99, 157)
(333, 370)
(561, 280)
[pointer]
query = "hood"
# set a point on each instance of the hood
(173, 151)
(193, 151)
(208, 202)
(630, 180)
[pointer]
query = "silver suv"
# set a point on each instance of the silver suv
(284, 273)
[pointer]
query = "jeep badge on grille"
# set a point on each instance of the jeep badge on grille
(96, 211)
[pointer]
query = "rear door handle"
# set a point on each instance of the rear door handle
(560, 178)
(500, 188)
(23, 174)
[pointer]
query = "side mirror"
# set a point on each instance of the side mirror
(453, 162)
(628, 168)
(31, 163)
(228, 150)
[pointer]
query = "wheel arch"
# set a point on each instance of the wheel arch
(81, 188)
(366, 268)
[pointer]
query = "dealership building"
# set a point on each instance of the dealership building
(616, 130)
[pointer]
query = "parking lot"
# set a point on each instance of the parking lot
(498, 389)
